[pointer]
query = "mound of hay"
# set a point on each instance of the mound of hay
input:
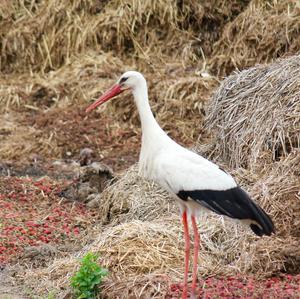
(133, 198)
(143, 244)
(256, 114)
(45, 35)
(264, 31)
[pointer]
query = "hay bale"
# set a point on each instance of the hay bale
(264, 31)
(256, 114)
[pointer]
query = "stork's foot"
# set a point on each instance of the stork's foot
(193, 294)
(184, 293)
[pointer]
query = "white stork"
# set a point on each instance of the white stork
(193, 181)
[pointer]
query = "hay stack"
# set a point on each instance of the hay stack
(256, 114)
(43, 36)
(264, 31)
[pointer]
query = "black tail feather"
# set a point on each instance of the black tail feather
(234, 203)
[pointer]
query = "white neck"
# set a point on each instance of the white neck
(154, 139)
(148, 122)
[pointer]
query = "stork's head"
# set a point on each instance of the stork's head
(130, 80)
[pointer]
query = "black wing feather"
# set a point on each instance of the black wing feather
(234, 203)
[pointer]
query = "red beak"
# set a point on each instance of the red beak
(112, 92)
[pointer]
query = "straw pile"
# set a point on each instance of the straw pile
(264, 31)
(256, 114)
(142, 245)
(45, 35)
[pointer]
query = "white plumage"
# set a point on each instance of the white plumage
(194, 181)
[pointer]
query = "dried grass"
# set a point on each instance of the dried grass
(77, 82)
(144, 204)
(43, 36)
(141, 242)
(279, 191)
(264, 31)
(20, 143)
(46, 34)
(256, 114)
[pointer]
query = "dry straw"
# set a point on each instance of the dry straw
(44, 95)
(264, 31)
(42, 36)
(77, 82)
(141, 242)
(256, 114)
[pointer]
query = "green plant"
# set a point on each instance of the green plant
(87, 279)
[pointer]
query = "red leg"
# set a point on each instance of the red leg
(187, 254)
(196, 250)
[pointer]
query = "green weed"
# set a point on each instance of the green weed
(86, 280)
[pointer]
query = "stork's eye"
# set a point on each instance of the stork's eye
(123, 80)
